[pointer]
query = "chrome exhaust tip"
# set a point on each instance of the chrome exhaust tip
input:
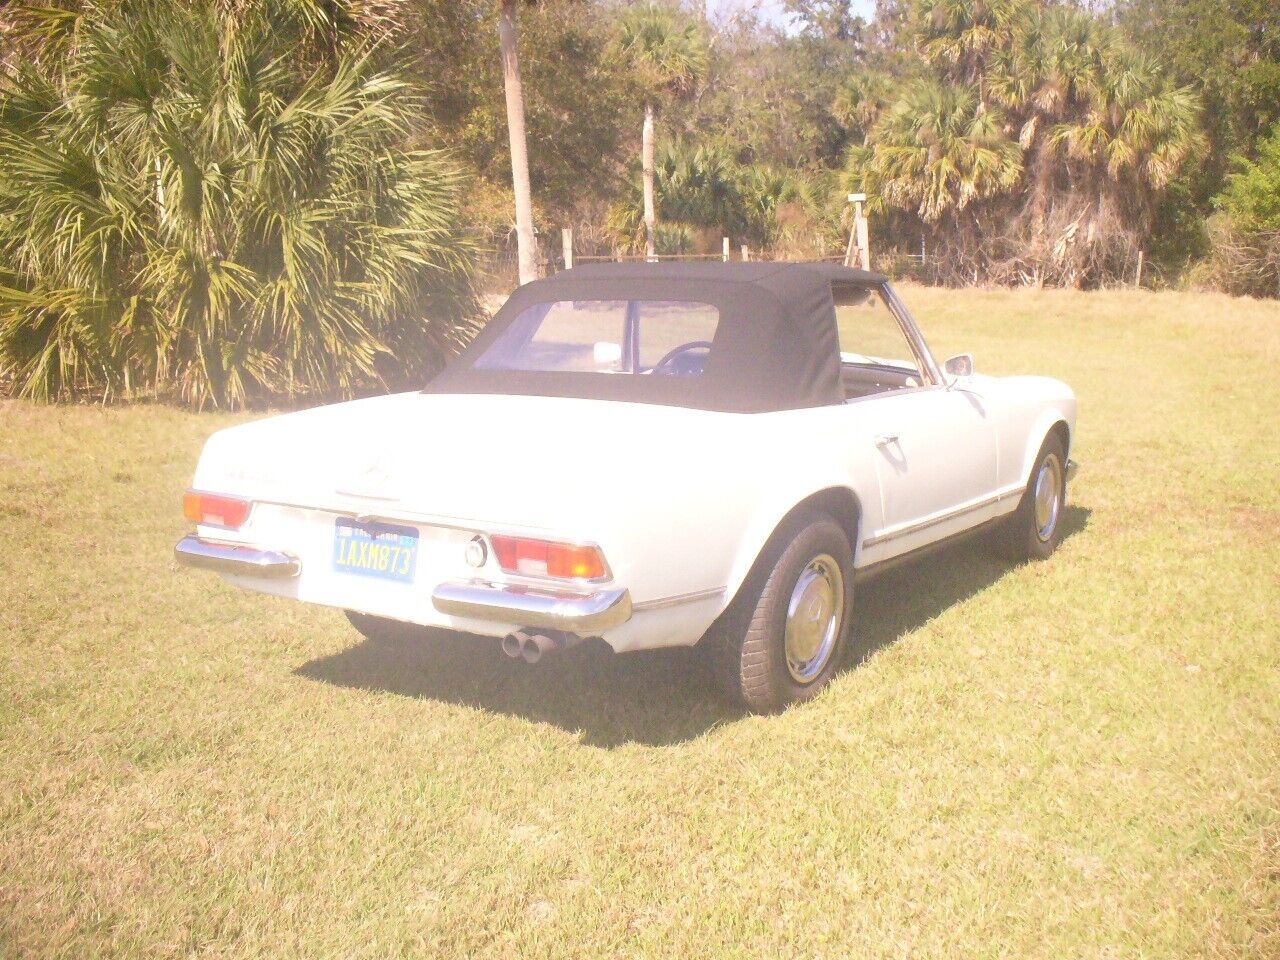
(513, 644)
(532, 645)
(538, 645)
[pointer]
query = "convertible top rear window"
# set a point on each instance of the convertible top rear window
(735, 337)
(654, 337)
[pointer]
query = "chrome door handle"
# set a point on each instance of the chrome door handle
(886, 440)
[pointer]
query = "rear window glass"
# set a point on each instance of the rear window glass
(652, 337)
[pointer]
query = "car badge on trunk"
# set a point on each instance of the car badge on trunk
(374, 482)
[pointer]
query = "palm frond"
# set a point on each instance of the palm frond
(192, 206)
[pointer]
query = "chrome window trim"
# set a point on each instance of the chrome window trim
(912, 332)
(928, 367)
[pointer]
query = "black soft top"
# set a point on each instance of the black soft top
(776, 346)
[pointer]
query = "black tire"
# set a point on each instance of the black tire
(1023, 537)
(748, 643)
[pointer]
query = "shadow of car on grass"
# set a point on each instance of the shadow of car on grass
(652, 697)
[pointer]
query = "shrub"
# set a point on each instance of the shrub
(1252, 194)
(200, 201)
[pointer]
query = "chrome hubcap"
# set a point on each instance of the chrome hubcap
(1048, 496)
(813, 618)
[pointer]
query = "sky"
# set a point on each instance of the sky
(772, 9)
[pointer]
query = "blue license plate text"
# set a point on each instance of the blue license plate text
(384, 551)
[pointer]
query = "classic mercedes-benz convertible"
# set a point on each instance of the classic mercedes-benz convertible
(655, 455)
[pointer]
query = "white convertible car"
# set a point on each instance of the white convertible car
(656, 455)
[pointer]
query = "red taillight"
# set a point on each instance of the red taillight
(215, 511)
(544, 558)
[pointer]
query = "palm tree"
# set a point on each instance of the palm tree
(937, 150)
(1042, 78)
(693, 187)
(668, 54)
(1134, 131)
(526, 241)
(194, 201)
(704, 188)
(959, 37)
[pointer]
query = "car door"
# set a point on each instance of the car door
(933, 443)
(935, 454)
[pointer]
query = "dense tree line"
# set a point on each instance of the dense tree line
(229, 199)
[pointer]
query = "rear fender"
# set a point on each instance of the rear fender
(771, 514)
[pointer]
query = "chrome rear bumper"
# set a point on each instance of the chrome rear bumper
(584, 614)
(192, 551)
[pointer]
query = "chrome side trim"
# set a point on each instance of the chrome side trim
(934, 521)
(663, 603)
(1073, 468)
(192, 551)
(584, 614)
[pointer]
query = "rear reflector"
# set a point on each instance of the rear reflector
(544, 558)
(213, 510)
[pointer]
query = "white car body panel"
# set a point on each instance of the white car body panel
(681, 501)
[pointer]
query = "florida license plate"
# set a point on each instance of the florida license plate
(384, 551)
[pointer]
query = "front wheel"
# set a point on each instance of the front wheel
(1034, 530)
(786, 633)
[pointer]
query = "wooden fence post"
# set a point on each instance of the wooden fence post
(566, 242)
(746, 253)
(864, 241)
(859, 235)
(1137, 277)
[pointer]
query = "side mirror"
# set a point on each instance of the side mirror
(959, 366)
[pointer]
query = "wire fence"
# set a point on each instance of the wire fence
(501, 270)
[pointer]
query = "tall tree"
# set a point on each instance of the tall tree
(526, 241)
(668, 53)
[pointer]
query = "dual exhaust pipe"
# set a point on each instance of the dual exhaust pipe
(532, 645)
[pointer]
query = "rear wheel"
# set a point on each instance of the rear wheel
(1034, 530)
(787, 632)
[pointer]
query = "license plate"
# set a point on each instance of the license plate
(383, 551)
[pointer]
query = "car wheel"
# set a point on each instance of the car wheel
(1034, 530)
(787, 632)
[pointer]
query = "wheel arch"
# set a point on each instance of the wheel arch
(1053, 422)
(841, 503)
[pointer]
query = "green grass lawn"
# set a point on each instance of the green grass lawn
(1075, 759)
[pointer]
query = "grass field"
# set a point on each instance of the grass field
(1076, 759)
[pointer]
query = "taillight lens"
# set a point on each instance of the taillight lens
(213, 510)
(546, 558)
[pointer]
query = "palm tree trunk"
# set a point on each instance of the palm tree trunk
(526, 242)
(646, 161)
